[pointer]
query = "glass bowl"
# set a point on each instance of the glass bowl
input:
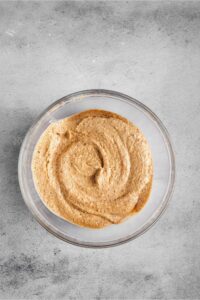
(163, 160)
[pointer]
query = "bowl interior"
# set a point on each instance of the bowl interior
(162, 161)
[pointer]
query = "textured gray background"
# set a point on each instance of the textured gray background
(149, 50)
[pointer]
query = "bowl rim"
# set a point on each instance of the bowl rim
(166, 198)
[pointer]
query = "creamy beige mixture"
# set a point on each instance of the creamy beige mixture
(93, 169)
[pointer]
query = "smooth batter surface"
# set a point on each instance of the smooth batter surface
(93, 169)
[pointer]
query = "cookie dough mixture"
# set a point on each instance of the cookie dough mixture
(93, 169)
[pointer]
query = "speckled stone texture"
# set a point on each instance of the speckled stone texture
(148, 50)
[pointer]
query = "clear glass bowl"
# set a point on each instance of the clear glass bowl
(163, 159)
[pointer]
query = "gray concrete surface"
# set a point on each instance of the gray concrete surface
(148, 50)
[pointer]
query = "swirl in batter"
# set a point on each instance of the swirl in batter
(93, 169)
